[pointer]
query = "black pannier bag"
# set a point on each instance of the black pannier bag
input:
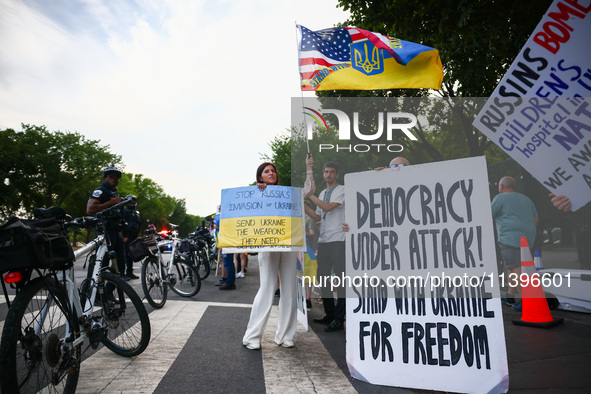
(141, 248)
(37, 243)
(187, 246)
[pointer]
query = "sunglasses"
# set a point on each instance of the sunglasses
(397, 165)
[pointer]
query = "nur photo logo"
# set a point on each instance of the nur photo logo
(387, 124)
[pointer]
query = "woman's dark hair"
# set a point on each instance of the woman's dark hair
(262, 168)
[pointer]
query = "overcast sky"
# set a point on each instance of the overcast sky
(188, 92)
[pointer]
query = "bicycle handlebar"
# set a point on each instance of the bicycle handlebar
(93, 221)
(106, 212)
(83, 222)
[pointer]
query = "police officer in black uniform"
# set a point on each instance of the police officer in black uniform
(102, 198)
(130, 233)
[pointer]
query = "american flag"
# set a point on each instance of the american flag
(329, 47)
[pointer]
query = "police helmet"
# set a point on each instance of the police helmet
(112, 170)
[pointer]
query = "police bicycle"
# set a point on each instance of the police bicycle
(50, 319)
(164, 267)
(207, 244)
(196, 248)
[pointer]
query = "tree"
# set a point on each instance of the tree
(41, 169)
(187, 223)
(477, 41)
(153, 204)
(281, 157)
(440, 134)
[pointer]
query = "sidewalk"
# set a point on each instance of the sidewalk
(540, 360)
(544, 359)
(556, 358)
(196, 347)
(561, 257)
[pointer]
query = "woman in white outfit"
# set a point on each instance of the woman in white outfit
(272, 264)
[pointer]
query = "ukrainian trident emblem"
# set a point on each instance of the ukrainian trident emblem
(367, 58)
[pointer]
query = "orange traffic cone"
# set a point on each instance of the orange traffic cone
(535, 310)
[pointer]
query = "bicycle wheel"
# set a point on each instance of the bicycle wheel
(124, 317)
(34, 352)
(213, 260)
(155, 289)
(184, 279)
(201, 263)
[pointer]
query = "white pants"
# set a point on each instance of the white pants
(270, 264)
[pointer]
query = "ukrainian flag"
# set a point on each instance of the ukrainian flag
(310, 264)
(355, 59)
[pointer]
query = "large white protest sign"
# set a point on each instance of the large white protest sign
(423, 307)
(540, 113)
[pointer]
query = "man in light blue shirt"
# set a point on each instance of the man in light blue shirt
(515, 217)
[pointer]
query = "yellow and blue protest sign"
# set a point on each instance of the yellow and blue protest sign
(258, 220)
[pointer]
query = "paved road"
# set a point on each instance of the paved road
(196, 347)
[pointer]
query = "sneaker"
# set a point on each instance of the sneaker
(287, 344)
(508, 300)
(323, 320)
(252, 346)
(240, 274)
(228, 287)
(132, 276)
(220, 282)
(517, 306)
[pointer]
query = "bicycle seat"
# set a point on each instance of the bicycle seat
(51, 212)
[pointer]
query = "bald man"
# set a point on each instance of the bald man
(515, 216)
(398, 161)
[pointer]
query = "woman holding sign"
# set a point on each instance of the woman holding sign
(272, 264)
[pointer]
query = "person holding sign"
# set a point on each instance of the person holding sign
(562, 203)
(396, 162)
(272, 264)
(330, 212)
(515, 216)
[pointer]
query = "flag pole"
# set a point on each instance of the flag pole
(301, 92)
(309, 183)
